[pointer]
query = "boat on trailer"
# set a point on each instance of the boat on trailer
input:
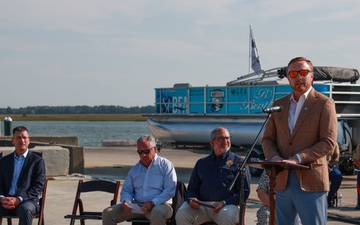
(186, 114)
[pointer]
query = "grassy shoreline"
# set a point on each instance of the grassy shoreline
(75, 117)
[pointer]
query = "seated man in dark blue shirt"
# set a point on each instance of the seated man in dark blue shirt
(209, 183)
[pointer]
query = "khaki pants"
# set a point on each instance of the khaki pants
(186, 215)
(115, 214)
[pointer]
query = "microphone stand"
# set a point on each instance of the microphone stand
(241, 171)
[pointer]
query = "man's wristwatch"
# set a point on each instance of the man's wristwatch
(152, 204)
(223, 202)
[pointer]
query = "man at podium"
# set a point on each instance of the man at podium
(304, 132)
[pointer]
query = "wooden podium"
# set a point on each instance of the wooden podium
(273, 169)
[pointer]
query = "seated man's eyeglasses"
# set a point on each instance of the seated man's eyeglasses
(145, 151)
(222, 138)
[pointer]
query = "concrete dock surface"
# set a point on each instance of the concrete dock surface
(113, 163)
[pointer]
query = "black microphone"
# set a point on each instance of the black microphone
(273, 109)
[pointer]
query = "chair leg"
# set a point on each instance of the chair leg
(41, 221)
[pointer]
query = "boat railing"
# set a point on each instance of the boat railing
(253, 78)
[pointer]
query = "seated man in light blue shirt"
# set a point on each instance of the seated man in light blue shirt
(150, 184)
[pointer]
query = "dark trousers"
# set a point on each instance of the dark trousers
(24, 211)
(335, 179)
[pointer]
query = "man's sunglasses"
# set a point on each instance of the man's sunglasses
(145, 151)
(302, 73)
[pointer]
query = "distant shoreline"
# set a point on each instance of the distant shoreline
(74, 117)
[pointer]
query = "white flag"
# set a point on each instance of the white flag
(255, 59)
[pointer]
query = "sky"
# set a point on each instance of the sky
(116, 52)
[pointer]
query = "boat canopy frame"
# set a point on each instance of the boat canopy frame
(321, 73)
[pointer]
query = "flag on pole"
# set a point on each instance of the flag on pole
(255, 59)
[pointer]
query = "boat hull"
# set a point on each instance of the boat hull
(196, 129)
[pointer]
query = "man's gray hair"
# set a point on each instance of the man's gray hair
(213, 132)
(149, 139)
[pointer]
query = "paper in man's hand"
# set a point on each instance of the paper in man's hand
(135, 208)
(203, 203)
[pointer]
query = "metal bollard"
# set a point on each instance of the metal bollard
(7, 126)
(340, 199)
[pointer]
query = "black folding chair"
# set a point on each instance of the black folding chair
(92, 186)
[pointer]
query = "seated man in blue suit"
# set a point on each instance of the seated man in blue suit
(22, 179)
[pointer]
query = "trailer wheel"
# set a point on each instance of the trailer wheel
(255, 156)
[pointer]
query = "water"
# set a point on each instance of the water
(89, 133)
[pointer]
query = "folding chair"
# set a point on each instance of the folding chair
(92, 186)
(40, 215)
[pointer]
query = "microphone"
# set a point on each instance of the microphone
(273, 109)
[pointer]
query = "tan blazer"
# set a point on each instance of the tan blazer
(314, 137)
(334, 158)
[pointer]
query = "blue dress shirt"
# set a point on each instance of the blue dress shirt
(157, 183)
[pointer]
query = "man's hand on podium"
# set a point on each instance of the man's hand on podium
(292, 160)
(276, 159)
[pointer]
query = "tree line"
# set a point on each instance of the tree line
(101, 109)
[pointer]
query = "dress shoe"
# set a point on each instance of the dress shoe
(330, 203)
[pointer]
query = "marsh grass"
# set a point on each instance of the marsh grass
(75, 117)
